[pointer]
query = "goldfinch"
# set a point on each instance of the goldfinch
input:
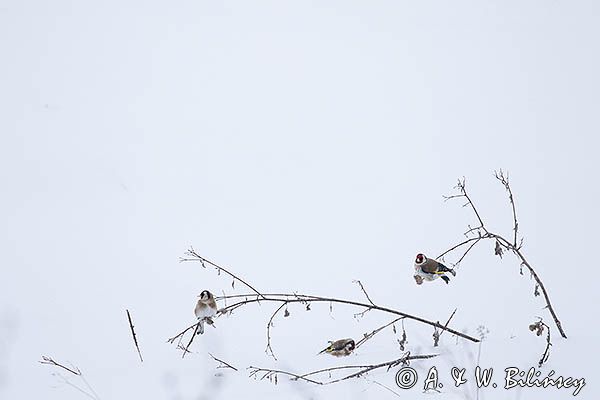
(206, 308)
(339, 348)
(427, 269)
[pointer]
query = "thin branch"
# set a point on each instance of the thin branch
(89, 387)
(182, 348)
(362, 370)
(75, 371)
(74, 386)
(268, 373)
(437, 333)
(50, 361)
(457, 246)
(504, 180)
(461, 186)
(386, 388)
(546, 353)
(222, 364)
(362, 313)
(134, 337)
(299, 298)
(186, 349)
(181, 334)
(514, 246)
(544, 291)
(538, 328)
(468, 250)
(196, 257)
(289, 298)
(368, 336)
(449, 319)
(364, 291)
(269, 349)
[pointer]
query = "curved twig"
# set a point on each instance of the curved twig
(269, 349)
(301, 298)
(288, 298)
(512, 246)
(269, 373)
(364, 291)
(544, 291)
(546, 353)
(197, 257)
(362, 370)
(368, 336)
(458, 245)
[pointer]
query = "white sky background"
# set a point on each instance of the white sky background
(303, 145)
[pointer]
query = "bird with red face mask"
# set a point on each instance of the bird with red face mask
(427, 269)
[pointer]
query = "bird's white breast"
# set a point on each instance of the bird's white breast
(425, 275)
(203, 311)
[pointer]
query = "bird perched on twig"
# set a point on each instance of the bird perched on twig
(427, 269)
(339, 348)
(206, 308)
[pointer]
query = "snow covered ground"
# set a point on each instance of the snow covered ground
(303, 145)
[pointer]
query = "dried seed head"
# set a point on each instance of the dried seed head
(498, 249)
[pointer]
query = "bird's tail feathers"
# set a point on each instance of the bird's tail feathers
(326, 349)
(442, 269)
